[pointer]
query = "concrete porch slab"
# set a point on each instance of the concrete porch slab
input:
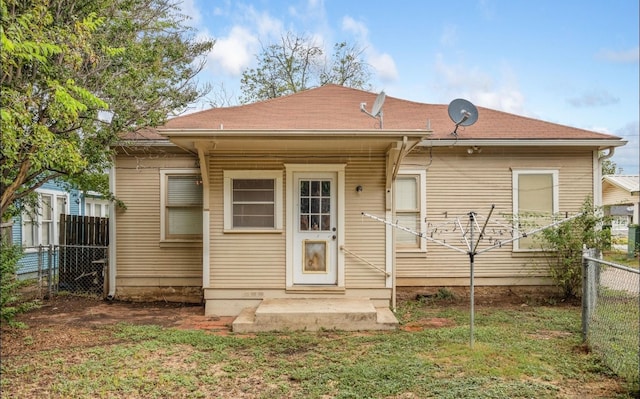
(313, 314)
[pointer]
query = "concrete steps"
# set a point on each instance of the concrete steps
(313, 314)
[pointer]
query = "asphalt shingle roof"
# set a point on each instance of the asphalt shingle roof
(334, 107)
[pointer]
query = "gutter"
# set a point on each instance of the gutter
(600, 143)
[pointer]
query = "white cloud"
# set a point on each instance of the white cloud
(233, 53)
(628, 157)
(358, 29)
(383, 63)
(630, 56)
(266, 26)
(594, 98)
(479, 87)
(189, 8)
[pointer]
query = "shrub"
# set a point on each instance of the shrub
(563, 245)
(10, 304)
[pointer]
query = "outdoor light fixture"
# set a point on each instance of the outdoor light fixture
(358, 189)
(473, 149)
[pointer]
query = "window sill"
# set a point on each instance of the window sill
(180, 244)
(252, 231)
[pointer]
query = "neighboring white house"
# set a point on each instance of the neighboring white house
(621, 201)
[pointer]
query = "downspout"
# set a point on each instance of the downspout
(112, 233)
(597, 175)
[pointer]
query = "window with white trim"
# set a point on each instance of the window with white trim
(181, 203)
(535, 202)
(253, 201)
(410, 207)
(41, 226)
(96, 207)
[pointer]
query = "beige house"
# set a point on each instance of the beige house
(235, 206)
(620, 199)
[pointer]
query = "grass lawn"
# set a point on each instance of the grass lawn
(621, 258)
(519, 352)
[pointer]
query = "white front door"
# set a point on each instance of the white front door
(315, 228)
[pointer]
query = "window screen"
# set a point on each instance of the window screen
(184, 206)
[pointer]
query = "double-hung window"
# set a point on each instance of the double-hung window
(253, 201)
(410, 205)
(40, 225)
(96, 207)
(535, 202)
(181, 203)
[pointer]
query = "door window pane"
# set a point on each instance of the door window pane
(315, 205)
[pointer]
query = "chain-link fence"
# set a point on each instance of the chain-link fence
(69, 268)
(82, 268)
(38, 264)
(611, 315)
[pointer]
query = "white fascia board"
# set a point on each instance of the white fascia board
(194, 133)
(604, 143)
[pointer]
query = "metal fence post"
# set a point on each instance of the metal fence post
(585, 294)
(589, 289)
(40, 256)
(49, 271)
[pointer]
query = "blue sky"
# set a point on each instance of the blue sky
(569, 62)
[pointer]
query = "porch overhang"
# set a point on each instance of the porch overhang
(280, 142)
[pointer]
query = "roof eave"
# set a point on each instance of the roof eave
(292, 133)
(599, 143)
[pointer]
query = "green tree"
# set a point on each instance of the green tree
(11, 302)
(563, 245)
(76, 74)
(609, 167)
(297, 63)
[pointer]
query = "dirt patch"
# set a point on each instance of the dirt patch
(77, 311)
(436, 322)
(69, 321)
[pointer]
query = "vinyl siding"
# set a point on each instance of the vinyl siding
(459, 183)
(365, 237)
(258, 260)
(141, 260)
(613, 195)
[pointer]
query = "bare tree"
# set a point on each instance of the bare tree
(297, 63)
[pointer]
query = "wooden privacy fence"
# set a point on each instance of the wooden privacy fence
(83, 256)
(84, 230)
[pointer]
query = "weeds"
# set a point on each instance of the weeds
(519, 353)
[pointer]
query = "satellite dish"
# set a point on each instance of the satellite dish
(462, 112)
(377, 105)
(376, 111)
